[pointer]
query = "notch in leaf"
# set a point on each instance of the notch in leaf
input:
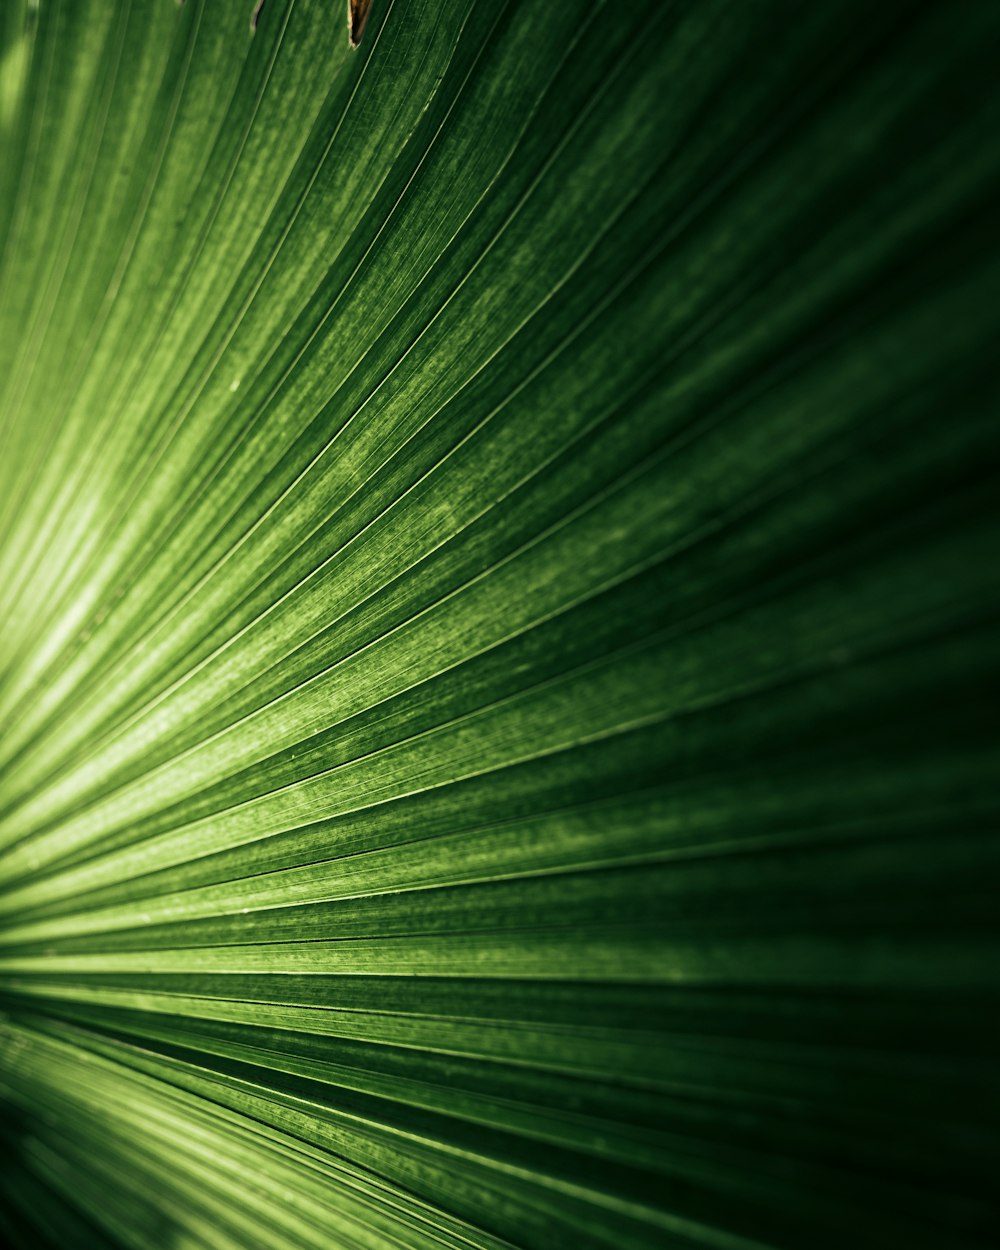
(359, 10)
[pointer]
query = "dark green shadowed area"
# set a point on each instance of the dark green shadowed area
(498, 625)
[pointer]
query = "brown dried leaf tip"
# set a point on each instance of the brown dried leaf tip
(359, 10)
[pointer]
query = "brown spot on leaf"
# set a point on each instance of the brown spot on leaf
(255, 15)
(359, 10)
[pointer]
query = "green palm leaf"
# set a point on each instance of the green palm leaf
(497, 627)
